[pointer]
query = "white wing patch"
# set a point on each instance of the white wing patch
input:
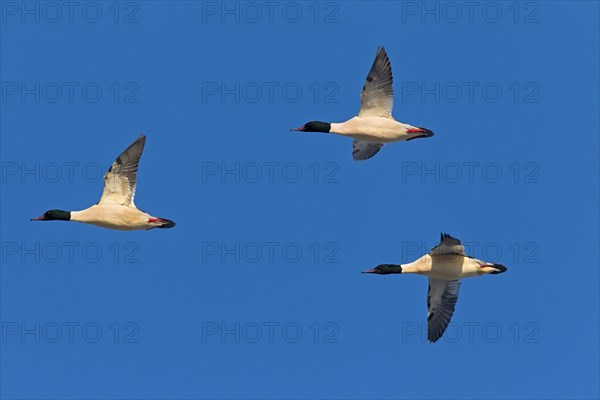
(362, 150)
(120, 179)
(441, 301)
(377, 97)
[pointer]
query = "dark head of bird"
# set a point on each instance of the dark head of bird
(314, 126)
(54, 215)
(384, 269)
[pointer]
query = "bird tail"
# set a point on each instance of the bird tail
(167, 223)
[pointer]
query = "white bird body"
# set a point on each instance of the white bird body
(445, 265)
(116, 209)
(374, 125)
(373, 129)
(115, 216)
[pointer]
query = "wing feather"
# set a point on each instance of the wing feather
(362, 150)
(377, 97)
(448, 246)
(441, 301)
(120, 179)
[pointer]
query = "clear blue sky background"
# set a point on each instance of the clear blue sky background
(544, 221)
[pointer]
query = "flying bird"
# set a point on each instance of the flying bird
(116, 209)
(374, 126)
(445, 264)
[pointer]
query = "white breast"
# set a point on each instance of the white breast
(447, 267)
(113, 216)
(371, 129)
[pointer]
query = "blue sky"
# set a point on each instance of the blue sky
(257, 291)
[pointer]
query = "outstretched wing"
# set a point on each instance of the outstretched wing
(362, 150)
(441, 300)
(448, 245)
(120, 179)
(377, 97)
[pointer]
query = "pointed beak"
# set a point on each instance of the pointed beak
(40, 218)
(301, 129)
(369, 271)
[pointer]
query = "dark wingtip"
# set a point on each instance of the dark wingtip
(432, 338)
(381, 51)
(444, 236)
